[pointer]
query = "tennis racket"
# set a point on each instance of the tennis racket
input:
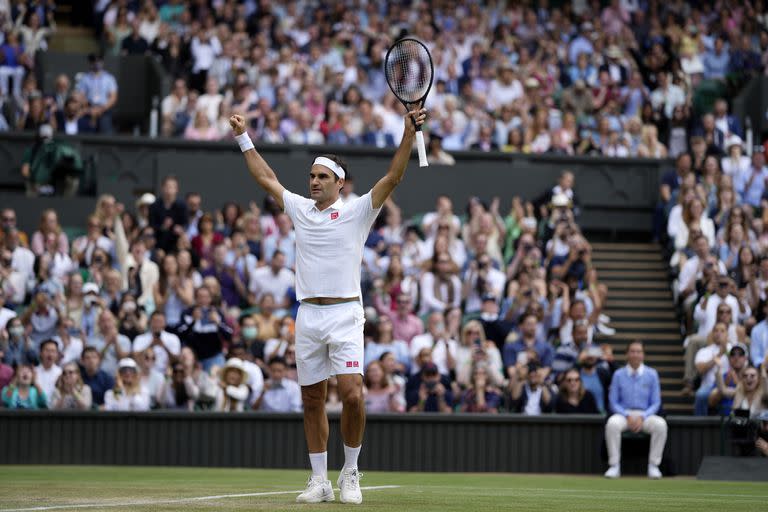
(409, 71)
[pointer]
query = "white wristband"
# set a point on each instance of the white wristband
(244, 141)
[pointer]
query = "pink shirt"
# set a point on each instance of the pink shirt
(405, 329)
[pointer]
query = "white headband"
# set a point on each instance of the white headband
(327, 162)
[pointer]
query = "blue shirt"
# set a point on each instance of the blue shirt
(753, 193)
(593, 385)
(759, 345)
(286, 244)
(398, 348)
(97, 87)
(635, 390)
(716, 66)
(542, 349)
(99, 384)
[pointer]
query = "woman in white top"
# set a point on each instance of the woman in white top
(440, 287)
(650, 147)
(128, 393)
(286, 336)
(150, 378)
(735, 162)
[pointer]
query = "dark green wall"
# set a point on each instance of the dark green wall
(414, 442)
(616, 194)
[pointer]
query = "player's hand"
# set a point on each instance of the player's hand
(237, 122)
(413, 119)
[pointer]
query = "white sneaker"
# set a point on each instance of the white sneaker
(614, 472)
(318, 490)
(603, 318)
(349, 484)
(653, 472)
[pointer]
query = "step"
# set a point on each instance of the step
(634, 265)
(607, 246)
(679, 408)
(628, 313)
(607, 275)
(655, 325)
(638, 305)
(642, 294)
(623, 284)
(618, 351)
(653, 359)
(672, 338)
(626, 257)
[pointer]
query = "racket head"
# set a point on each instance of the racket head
(409, 71)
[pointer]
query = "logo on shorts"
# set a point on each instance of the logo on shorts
(353, 364)
(334, 215)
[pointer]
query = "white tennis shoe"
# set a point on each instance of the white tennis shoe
(318, 490)
(654, 473)
(349, 484)
(613, 472)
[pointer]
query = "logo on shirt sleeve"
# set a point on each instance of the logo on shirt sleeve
(334, 215)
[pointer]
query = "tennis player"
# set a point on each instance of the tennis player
(329, 327)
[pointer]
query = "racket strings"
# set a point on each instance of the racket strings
(409, 71)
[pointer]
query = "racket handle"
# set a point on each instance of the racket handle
(421, 149)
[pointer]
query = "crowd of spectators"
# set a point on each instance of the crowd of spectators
(173, 306)
(615, 78)
(712, 217)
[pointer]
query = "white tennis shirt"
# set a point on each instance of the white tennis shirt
(329, 244)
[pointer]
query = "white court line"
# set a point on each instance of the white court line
(178, 500)
(660, 493)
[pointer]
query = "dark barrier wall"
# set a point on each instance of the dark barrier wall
(615, 193)
(414, 442)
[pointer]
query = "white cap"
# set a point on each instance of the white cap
(45, 131)
(146, 199)
(90, 288)
(127, 362)
(733, 140)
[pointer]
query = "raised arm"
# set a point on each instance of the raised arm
(258, 168)
(394, 175)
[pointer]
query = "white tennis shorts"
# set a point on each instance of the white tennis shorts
(329, 341)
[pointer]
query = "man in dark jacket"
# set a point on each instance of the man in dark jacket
(168, 215)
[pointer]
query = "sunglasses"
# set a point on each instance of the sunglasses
(573, 379)
(69, 372)
(9, 219)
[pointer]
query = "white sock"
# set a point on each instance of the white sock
(319, 462)
(350, 457)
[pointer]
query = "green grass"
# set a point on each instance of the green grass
(162, 489)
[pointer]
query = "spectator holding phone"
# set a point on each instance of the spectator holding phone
(526, 392)
(433, 395)
(481, 395)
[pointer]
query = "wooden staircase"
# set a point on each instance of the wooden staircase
(641, 307)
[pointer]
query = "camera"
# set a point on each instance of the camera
(430, 385)
(744, 432)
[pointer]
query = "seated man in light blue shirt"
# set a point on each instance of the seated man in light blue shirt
(100, 89)
(635, 398)
(280, 393)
